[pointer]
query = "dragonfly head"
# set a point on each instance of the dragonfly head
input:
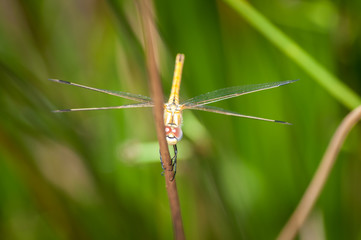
(173, 134)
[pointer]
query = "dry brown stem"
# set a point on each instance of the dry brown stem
(157, 96)
(314, 189)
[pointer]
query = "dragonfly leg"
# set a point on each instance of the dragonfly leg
(174, 161)
(161, 163)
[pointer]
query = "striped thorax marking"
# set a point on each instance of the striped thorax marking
(173, 122)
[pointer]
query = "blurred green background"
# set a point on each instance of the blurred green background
(96, 175)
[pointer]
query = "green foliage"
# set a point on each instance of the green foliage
(96, 175)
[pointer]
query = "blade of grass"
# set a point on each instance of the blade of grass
(126, 32)
(327, 80)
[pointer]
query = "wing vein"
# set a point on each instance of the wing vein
(130, 96)
(231, 92)
(138, 105)
(230, 113)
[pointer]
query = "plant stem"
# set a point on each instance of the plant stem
(314, 189)
(157, 96)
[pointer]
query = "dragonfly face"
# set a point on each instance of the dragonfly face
(173, 122)
(173, 134)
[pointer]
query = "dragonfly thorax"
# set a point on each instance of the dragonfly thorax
(172, 107)
(172, 114)
(173, 122)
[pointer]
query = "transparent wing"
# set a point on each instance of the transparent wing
(231, 92)
(131, 96)
(226, 112)
(137, 105)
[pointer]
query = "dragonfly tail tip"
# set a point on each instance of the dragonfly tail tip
(58, 80)
(288, 82)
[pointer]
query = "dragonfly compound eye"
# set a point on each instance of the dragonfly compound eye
(173, 134)
(177, 132)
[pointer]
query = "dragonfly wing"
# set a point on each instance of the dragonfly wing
(227, 112)
(231, 92)
(137, 105)
(131, 96)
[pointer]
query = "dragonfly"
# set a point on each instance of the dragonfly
(173, 108)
